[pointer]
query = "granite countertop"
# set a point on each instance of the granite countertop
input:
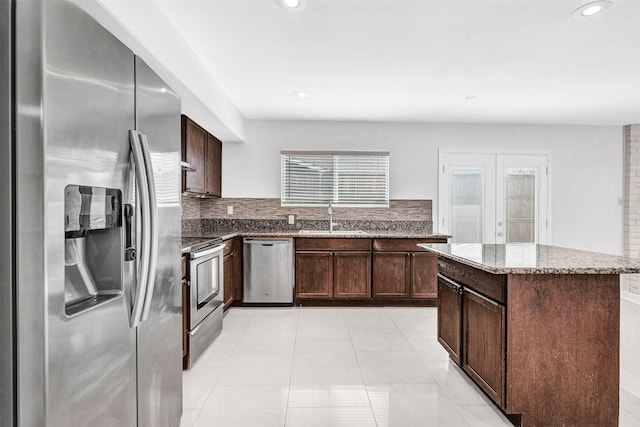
(337, 235)
(187, 242)
(527, 258)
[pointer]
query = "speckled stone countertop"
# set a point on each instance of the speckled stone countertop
(187, 242)
(525, 258)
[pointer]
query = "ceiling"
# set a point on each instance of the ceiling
(523, 61)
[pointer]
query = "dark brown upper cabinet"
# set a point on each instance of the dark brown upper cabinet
(213, 167)
(203, 152)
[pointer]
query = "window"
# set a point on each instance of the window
(348, 179)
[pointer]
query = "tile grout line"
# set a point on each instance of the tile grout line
(293, 357)
(366, 389)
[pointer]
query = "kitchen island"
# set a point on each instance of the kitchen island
(536, 327)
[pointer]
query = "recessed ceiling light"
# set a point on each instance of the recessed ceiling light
(292, 4)
(470, 97)
(590, 9)
(300, 94)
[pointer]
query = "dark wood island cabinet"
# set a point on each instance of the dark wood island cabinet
(536, 327)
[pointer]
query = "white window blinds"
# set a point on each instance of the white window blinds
(348, 179)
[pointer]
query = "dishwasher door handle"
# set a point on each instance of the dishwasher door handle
(265, 242)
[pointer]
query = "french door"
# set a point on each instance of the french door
(493, 198)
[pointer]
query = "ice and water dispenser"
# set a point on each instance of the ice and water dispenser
(93, 247)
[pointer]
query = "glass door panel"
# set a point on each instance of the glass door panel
(467, 197)
(467, 205)
(520, 202)
(521, 199)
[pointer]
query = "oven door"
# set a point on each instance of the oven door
(206, 283)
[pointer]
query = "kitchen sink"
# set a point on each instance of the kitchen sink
(332, 232)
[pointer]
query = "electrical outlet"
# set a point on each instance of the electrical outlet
(292, 219)
(229, 210)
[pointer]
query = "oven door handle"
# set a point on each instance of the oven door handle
(213, 250)
(145, 228)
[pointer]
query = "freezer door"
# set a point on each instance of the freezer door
(75, 107)
(7, 380)
(159, 336)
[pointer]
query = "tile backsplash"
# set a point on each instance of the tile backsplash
(398, 210)
(205, 216)
(190, 207)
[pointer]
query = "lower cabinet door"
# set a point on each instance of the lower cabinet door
(237, 282)
(352, 274)
(424, 275)
(484, 344)
(228, 270)
(391, 274)
(450, 317)
(314, 275)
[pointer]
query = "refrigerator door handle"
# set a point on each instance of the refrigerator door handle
(153, 223)
(145, 229)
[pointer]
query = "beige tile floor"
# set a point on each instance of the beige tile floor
(352, 367)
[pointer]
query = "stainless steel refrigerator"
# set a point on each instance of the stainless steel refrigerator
(90, 299)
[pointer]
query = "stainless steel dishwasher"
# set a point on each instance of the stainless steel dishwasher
(268, 270)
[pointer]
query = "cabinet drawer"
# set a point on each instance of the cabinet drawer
(493, 286)
(402, 245)
(314, 244)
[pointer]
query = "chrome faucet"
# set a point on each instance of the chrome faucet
(331, 223)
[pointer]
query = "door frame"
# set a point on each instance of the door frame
(442, 226)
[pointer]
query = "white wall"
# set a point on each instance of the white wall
(586, 165)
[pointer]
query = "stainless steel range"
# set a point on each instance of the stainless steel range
(206, 297)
